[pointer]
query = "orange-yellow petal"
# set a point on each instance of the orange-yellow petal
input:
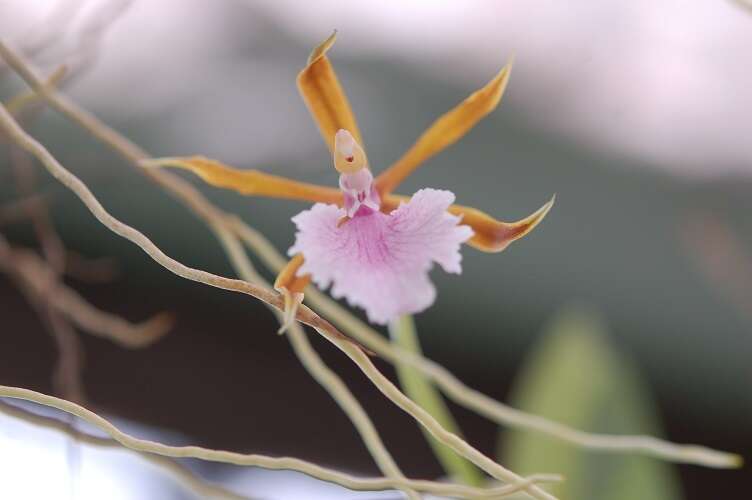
(250, 182)
(287, 279)
(291, 287)
(322, 93)
(445, 131)
(491, 235)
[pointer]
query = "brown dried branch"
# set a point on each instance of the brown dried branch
(52, 245)
(44, 284)
(18, 210)
(90, 270)
(67, 375)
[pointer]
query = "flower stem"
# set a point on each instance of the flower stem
(420, 389)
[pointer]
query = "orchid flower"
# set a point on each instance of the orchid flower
(374, 248)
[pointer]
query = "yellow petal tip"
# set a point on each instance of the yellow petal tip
(322, 48)
(324, 96)
(549, 204)
(499, 84)
(447, 130)
(536, 217)
(492, 235)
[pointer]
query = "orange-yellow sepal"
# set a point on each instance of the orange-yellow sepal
(322, 93)
(491, 235)
(287, 276)
(445, 131)
(249, 182)
(291, 287)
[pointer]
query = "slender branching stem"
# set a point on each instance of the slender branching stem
(183, 475)
(475, 400)
(277, 463)
(449, 384)
(318, 369)
(17, 135)
(422, 390)
(429, 423)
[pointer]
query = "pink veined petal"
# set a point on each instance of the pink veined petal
(381, 262)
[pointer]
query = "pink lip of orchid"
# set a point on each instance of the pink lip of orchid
(373, 247)
(377, 261)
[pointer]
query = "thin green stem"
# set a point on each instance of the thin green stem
(420, 389)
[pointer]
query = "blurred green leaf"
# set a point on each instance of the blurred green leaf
(575, 376)
(423, 392)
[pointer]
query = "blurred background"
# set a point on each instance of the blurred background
(636, 114)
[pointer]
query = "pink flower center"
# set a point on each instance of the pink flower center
(361, 197)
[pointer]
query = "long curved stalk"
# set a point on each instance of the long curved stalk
(450, 385)
(421, 390)
(19, 136)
